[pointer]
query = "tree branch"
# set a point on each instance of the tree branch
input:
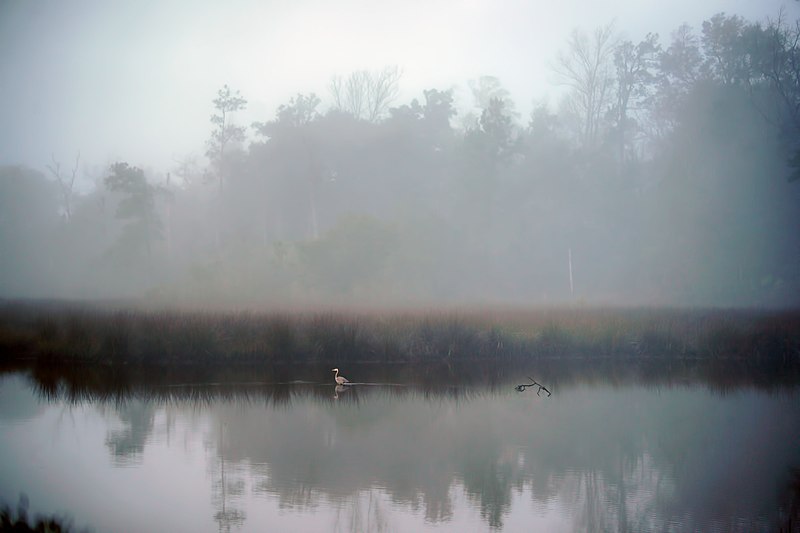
(523, 386)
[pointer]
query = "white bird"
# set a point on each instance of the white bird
(340, 380)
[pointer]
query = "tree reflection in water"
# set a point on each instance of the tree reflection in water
(127, 444)
(353, 514)
(226, 490)
(616, 448)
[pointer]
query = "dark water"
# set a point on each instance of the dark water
(603, 453)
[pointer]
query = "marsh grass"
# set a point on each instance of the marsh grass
(71, 333)
(21, 523)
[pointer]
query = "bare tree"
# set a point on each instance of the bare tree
(65, 185)
(351, 94)
(384, 88)
(779, 63)
(366, 95)
(186, 168)
(587, 68)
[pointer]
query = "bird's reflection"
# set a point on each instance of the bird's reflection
(338, 389)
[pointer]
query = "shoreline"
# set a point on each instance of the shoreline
(83, 333)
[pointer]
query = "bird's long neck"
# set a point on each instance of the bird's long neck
(336, 375)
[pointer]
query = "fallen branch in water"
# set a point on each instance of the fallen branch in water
(522, 387)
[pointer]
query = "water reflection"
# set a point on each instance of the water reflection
(126, 444)
(613, 454)
(15, 403)
(227, 490)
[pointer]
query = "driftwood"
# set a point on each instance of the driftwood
(522, 387)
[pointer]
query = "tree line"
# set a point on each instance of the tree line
(664, 175)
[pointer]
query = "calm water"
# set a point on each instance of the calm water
(598, 455)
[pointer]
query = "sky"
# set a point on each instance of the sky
(134, 81)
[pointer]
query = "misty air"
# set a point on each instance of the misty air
(553, 247)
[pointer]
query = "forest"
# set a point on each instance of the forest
(665, 175)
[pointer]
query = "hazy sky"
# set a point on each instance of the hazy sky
(134, 80)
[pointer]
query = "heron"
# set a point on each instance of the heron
(340, 380)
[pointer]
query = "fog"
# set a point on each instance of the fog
(300, 154)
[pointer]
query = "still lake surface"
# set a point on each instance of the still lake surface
(603, 453)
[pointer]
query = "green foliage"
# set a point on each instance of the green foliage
(438, 109)
(726, 49)
(498, 128)
(353, 254)
(137, 208)
(300, 111)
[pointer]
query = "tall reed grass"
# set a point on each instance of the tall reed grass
(73, 333)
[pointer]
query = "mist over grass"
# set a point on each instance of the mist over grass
(64, 333)
(665, 175)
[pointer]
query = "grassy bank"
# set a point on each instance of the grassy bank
(65, 333)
